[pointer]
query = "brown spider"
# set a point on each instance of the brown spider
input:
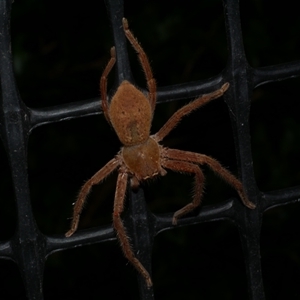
(142, 157)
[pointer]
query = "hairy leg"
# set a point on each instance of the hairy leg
(185, 110)
(103, 83)
(144, 62)
(202, 159)
(120, 229)
(99, 176)
(187, 167)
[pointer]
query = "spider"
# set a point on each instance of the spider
(130, 113)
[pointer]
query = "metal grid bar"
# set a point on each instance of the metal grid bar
(29, 247)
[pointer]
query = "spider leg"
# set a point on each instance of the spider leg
(120, 229)
(187, 167)
(103, 83)
(185, 110)
(100, 175)
(202, 159)
(144, 62)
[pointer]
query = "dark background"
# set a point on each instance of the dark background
(60, 49)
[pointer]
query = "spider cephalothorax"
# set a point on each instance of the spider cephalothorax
(130, 113)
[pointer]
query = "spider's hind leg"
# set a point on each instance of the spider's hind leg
(185, 110)
(144, 62)
(103, 83)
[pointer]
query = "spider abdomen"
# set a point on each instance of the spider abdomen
(143, 160)
(130, 114)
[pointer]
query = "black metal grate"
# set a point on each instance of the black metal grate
(29, 247)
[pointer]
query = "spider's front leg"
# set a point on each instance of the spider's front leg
(99, 176)
(187, 167)
(120, 229)
(201, 159)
